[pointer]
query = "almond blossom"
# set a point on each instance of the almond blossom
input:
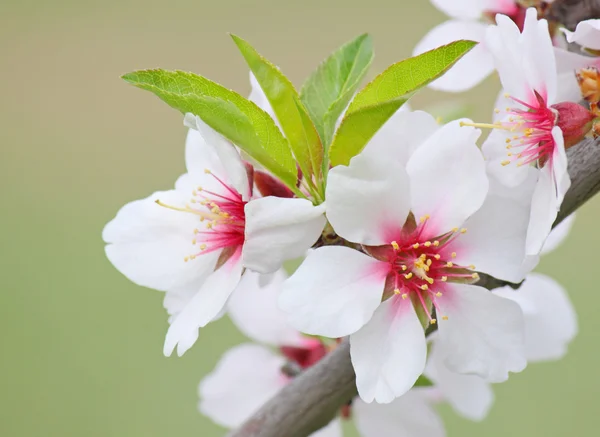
(251, 373)
(194, 242)
(426, 226)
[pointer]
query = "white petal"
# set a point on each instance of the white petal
(408, 416)
(544, 209)
(567, 63)
(389, 352)
(334, 292)
(279, 229)
(148, 243)
(203, 307)
(258, 96)
(484, 334)
(472, 68)
(245, 378)
(558, 234)
(472, 9)
(494, 150)
(333, 429)
(368, 201)
(550, 319)
(229, 158)
(253, 309)
(469, 395)
(495, 239)
(560, 175)
(447, 188)
(401, 135)
(587, 34)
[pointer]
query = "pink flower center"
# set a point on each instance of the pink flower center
(306, 355)
(420, 267)
(222, 215)
(509, 8)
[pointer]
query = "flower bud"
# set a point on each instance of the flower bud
(574, 120)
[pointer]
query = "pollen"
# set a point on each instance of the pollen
(202, 246)
(444, 317)
(415, 246)
(433, 321)
(408, 275)
(424, 287)
(395, 245)
(397, 291)
(438, 294)
(444, 278)
(453, 254)
(427, 244)
(449, 264)
(404, 296)
(207, 171)
(436, 243)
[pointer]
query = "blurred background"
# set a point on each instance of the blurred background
(81, 345)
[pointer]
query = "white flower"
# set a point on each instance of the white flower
(409, 218)
(194, 242)
(587, 34)
(528, 131)
(248, 375)
(468, 21)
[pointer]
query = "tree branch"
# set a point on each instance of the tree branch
(313, 398)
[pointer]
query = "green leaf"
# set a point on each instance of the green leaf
(382, 97)
(233, 116)
(293, 118)
(423, 381)
(329, 89)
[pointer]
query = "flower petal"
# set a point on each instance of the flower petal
(494, 150)
(469, 395)
(245, 378)
(279, 229)
(483, 335)
(495, 239)
(544, 209)
(550, 319)
(587, 34)
(560, 175)
(206, 304)
(334, 292)
(472, 68)
(148, 243)
(389, 352)
(369, 200)
(258, 96)
(409, 415)
(253, 309)
(448, 188)
(558, 234)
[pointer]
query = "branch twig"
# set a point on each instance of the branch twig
(313, 398)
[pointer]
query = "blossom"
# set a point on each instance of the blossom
(422, 219)
(251, 373)
(468, 21)
(531, 126)
(194, 242)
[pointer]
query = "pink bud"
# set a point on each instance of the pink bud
(574, 120)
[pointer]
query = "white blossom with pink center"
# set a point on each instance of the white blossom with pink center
(194, 242)
(527, 129)
(250, 374)
(427, 226)
(469, 19)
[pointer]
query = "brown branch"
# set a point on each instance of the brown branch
(313, 398)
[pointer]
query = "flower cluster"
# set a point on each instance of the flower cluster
(393, 241)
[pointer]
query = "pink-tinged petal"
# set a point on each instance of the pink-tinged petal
(483, 335)
(253, 309)
(469, 395)
(368, 201)
(206, 304)
(495, 239)
(587, 34)
(495, 152)
(279, 229)
(550, 319)
(333, 429)
(334, 292)
(245, 378)
(389, 352)
(544, 209)
(234, 170)
(558, 235)
(447, 177)
(469, 9)
(408, 416)
(469, 70)
(148, 243)
(401, 135)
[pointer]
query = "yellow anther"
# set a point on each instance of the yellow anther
(505, 163)
(202, 246)
(404, 296)
(427, 244)
(475, 276)
(215, 210)
(424, 218)
(209, 225)
(429, 262)
(453, 254)
(397, 291)
(423, 257)
(463, 230)
(207, 171)
(194, 241)
(202, 218)
(395, 245)
(454, 229)
(415, 246)
(192, 256)
(506, 95)
(430, 280)
(186, 259)
(408, 275)
(424, 287)
(199, 188)
(497, 111)
(438, 294)
(449, 264)
(444, 278)
(194, 192)
(509, 154)
(426, 268)
(433, 321)
(196, 231)
(403, 267)
(436, 243)
(437, 256)
(444, 317)
(508, 140)
(509, 147)
(471, 266)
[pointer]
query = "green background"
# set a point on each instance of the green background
(82, 346)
